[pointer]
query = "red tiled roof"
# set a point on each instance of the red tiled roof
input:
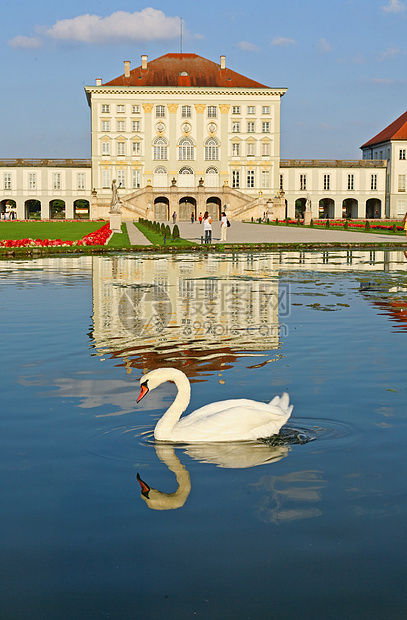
(395, 131)
(184, 70)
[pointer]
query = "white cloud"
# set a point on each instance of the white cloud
(394, 6)
(146, 25)
(22, 42)
(245, 46)
(324, 46)
(391, 52)
(283, 41)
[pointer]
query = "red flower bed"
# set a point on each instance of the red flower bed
(99, 237)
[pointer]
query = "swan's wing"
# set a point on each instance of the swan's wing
(233, 420)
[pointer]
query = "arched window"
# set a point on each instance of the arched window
(160, 148)
(160, 170)
(186, 149)
(160, 177)
(211, 149)
(212, 177)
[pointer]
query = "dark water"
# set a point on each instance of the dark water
(308, 528)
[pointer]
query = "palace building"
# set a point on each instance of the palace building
(183, 134)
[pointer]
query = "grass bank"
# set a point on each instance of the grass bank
(157, 239)
(66, 231)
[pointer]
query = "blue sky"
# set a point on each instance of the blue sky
(343, 62)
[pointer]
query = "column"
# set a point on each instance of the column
(148, 171)
(224, 168)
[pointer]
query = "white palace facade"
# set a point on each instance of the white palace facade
(182, 133)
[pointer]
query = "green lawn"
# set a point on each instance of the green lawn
(67, 231)
(120, 240)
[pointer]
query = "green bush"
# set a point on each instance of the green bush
(167, 232)
(394, 228)
(311, 223)
(162, 229)
(327, 224)
(367, 225)
(346, 225)
(175, 232)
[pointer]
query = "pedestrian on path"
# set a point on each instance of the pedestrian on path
(200, 218)
(207, 224)
(223, 226)
(174, 217)
(405, 223)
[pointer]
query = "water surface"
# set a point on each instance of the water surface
(313, 528)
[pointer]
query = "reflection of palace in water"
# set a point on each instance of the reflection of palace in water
(204, 311)
(190, 310)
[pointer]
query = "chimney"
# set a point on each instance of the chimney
(144, 62)
(223, 62)
(127, 68)
(98, 81)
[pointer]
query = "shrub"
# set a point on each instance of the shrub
(346, 225)
(327, 224)
(298, 221)
(276, 221)
(167, 232)
(367, 225)
(311, 223)
(163, 229)
(175, 232)
(394, 228)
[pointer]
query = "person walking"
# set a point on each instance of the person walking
(207, 224)
(174, 217)
(200, 218)
(223, 226)
(405, 223)
(192, 217)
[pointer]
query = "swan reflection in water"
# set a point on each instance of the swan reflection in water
(233, 455)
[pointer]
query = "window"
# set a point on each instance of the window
(281, 181)
(211, 149)
(235, 149)
(236, 109)
(373, 181)
(136, 179)
(265, 148)
(327, 181)
(120, 125)
(351, 181)
(402, 154)
(105, 125)
(303, 181)
(56, 180)
(121, 148)
(80, 180)
(236, 126)
(265, 109)
(160, 111)
(121, 178)
(105, 148)
(135, 109)
(120, 108)
(186, 111)
(250, 178)
(212, 111)
(235, 178)
(106, 179)
(7, 180)
(402, 183)
(160, 148)
(105, 108)
(32, 180)
(265, 127)
(251, 109)
(186, 149)
(250, 149)
(265, 178)
(136, 148)
(136, 125)
(251, 127)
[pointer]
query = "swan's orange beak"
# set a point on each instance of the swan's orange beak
(144, 487)
(143, 392)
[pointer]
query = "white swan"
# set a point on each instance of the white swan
(227, 420)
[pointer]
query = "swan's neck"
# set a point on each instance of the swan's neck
(166, 424)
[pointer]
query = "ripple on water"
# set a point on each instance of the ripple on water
(123, 443)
